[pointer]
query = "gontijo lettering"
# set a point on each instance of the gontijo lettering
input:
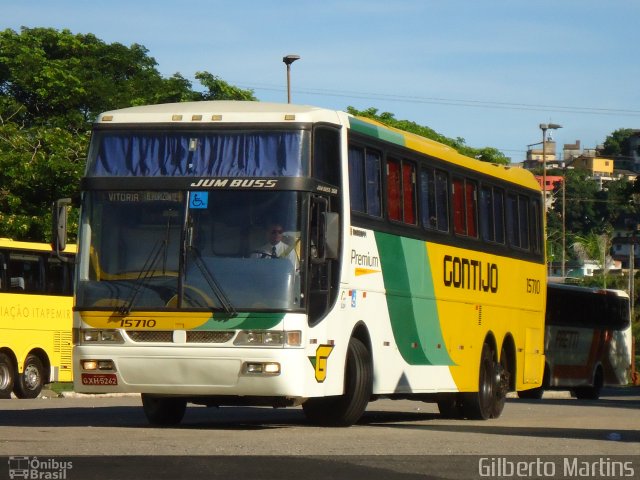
(470, 274)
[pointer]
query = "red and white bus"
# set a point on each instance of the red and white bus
(588, 340)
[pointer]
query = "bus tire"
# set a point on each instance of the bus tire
(480, 405)
(346, 409)
(450, 406)
(592, 392)
(501, 379)
(6, 376)
(531, 394)
(30, 382)
(163, 411)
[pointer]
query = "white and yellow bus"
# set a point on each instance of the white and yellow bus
(406, 270)
(36, 288)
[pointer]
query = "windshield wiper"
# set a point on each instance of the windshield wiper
(212, 282)
(145, 273)
(161, 246)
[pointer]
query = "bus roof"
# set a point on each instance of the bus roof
(219, 111)
(229, 111)
(585, 290)
(34, 246)
(439, 150)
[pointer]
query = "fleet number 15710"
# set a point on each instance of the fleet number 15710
(533, 286)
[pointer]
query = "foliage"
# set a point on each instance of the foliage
(218, 89)
(486, 154)
(53, 84)
(589, 210)
(617, 143)
(37, 166)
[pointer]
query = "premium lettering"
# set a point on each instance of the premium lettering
(470, 274)
(364, 260)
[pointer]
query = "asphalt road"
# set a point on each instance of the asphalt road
(108, 437)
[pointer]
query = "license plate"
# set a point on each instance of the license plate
(99, 379)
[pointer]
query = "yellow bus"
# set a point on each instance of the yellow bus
(36, 288)
(284, 255)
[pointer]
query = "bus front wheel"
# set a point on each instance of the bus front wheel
(163, 411)
(6, 376)
(29, 384)
(346, 409)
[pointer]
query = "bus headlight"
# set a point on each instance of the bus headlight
(261, 368)
(100, 336)
(97, 365)
(269, 338)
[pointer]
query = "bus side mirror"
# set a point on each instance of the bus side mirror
(59, 225)
(331, 235)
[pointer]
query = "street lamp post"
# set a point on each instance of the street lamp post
(544, 127)
(564, 226)
(288, 60)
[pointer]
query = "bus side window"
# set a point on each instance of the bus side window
(25, 271)
(357, 178)
(394, 190)
(3, 273)
(326, 155)
(491, 206)
(464, 192)
(536, 237)
(56, 278)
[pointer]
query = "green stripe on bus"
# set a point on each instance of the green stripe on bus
(242, 321)
(376, 131)
(411, 301)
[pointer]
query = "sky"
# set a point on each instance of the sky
(487, 71)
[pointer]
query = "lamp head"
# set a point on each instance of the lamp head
(289, 59)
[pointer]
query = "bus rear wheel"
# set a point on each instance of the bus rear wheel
(6, 376)
(488, 401)
(346, 409)
(29, 384)
(163, 411)
(592, 392)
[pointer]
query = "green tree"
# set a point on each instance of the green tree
(594, 247)
(218, 89)
(487, 154)
(617, 143)
(37, 165)
(53, 84)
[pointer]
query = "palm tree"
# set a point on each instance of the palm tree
(594, 246)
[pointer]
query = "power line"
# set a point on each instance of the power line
(453, 102)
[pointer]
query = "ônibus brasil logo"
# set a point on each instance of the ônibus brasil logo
(35, 468)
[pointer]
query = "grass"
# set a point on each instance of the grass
(59, 387)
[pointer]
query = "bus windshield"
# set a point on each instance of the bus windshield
(160, 153)
(215, 250)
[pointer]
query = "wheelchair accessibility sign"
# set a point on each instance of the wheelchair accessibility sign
(198, 200)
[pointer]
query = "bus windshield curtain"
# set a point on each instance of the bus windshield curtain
(252, 154)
